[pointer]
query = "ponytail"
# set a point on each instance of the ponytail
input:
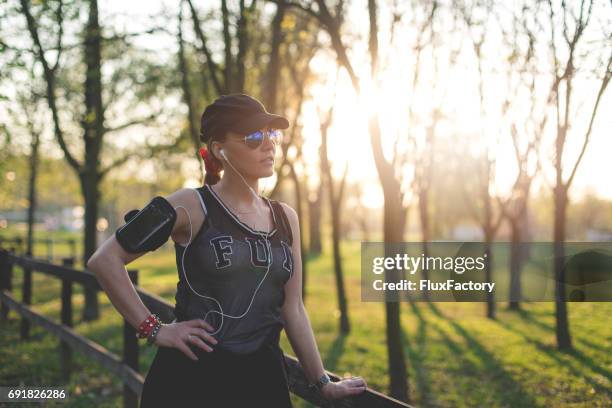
(212, 166)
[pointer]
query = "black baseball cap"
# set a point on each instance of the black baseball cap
(239, 113)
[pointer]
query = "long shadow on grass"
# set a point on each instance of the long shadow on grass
(556, 355)
(529, 316)
(417, 354)
(335, 352)
(30, 362)
(504, 387)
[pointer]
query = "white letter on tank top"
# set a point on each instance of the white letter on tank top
(222, 250)
(254, 244)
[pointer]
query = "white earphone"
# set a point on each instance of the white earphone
(268, 247)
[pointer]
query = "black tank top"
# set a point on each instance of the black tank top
(227, 260)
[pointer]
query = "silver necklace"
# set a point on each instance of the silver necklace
(236, 211)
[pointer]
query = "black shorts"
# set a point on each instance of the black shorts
(219, 379)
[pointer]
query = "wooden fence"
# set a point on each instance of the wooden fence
(126, 366)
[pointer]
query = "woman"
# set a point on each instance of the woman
(240, 278)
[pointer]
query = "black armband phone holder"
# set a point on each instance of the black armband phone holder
(147, 229)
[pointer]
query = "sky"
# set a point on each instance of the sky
(348, 137)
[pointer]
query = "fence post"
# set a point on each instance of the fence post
(8, 281)
(3, 279)
(72, 243)
(26, 297)
(49, 250)
(20, 241)
(130, 351)
(66, 317)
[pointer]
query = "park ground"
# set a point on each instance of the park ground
(456, 357)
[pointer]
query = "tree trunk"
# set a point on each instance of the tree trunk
(314, 221)
(94, 132)
(300, 213)
(564, 340)
(515, 265)
(32, 193)
(394, 223)
(187, 96)
(335, 204)
(393, 232)
(424, 217)
(489, 278)
(489, 232)
(243, 43)
(27, 273)
(227, 41)
(273, 72)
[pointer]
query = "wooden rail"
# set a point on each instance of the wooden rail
(90, 349)
(19, 242)
(126, 367)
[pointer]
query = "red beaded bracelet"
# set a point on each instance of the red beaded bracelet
(147, 326)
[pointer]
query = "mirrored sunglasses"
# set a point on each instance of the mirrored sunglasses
(255, 139)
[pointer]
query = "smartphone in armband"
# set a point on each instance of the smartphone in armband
(148, 229)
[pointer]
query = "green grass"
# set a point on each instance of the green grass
(455, 356)
(59, 249)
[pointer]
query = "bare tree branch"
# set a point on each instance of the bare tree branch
(116, 163)
(602, 88)
(50, 80)
(212, 66)
(307, 9)
(139, 121)
(60, 21)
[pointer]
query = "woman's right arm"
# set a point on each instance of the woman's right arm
(108, 265)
